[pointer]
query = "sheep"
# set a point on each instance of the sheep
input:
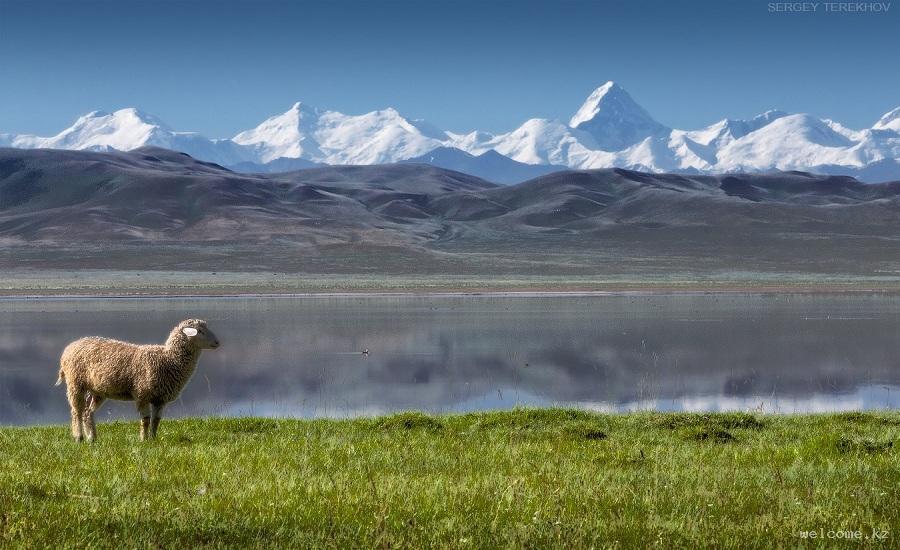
(95, 369)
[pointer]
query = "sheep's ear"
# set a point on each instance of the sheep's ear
(189, 331)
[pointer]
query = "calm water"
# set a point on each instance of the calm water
(301, 356)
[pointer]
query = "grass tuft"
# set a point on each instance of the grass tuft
(711, 435)
(181, 439)
(31, 490)
(863, 445)
(854, 417)
(594, 434)
(525, 419)
(585, 429)
(861, 418)
(409, 421)
(722, 421)
(251, 425)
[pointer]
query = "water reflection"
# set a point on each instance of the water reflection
(302, 356)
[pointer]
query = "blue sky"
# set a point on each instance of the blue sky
(221, 67)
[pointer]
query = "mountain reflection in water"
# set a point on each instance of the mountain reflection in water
(302, 356)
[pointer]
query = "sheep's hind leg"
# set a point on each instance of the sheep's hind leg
(77, 404)
(144, 409)
(155, 417)
(90, 428)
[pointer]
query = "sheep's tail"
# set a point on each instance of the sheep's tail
(61, 379)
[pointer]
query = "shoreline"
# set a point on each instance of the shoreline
(200, 293)
(54, 283)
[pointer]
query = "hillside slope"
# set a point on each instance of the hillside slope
(156, 209)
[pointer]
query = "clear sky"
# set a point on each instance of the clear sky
(219, 67)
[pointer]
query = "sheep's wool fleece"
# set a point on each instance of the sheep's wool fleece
(121, 370)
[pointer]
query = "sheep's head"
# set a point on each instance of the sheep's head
(195, 333)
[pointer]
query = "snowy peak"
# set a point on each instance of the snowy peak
(284, 136)
(890, 121)
(335, 138)
(122, 121)
(124, 130)
(767, 117)
(730, 129)
(299, 106)
(738, 128)
(792, 142)
(541, 141)
(591, 106)
(129, 129)
(289, 121)
(614, 119)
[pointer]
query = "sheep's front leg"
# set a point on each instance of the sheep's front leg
(155, 417)
(144, 409)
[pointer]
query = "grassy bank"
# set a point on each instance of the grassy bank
(509, 479)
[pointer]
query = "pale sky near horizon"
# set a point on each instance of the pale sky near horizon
(222, 67)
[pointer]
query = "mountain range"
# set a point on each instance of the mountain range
(156, 209)
(609, 130)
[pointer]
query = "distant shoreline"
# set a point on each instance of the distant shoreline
(456, 294)
(53, 283)
(448, 294)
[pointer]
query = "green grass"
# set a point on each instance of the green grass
(532, 478)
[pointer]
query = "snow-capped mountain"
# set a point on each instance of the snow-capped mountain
(98, 131)
(334, 138)
(537, 141)
(610, 129)
(614, 120)
(890, 121)
(128, 129)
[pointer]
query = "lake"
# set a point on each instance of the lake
(302, 356)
